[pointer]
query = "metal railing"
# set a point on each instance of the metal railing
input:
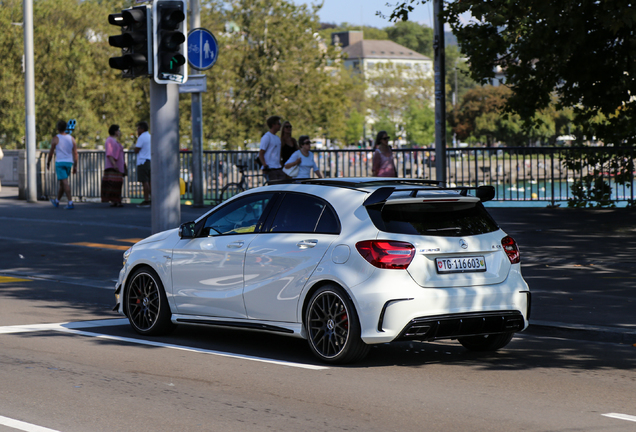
(518, 173)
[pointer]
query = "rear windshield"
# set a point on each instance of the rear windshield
(433, 219)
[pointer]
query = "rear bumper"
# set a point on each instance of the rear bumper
(461, 325)
(392, 309)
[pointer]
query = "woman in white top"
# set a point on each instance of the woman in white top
(304, 158)
(65, 149)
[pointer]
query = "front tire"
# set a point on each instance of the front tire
(333, 328)
(487, 342)
(146, 304)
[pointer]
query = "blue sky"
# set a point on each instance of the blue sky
(364, 11)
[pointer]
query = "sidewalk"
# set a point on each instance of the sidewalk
(580, 264)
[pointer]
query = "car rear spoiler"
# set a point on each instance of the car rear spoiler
(381, 195)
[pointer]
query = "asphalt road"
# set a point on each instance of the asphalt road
(68, 363)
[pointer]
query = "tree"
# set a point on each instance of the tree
(391, 88)
(355, 127)
(458, 80)
(72, 76)
(372, 33)
(275, 64)
(579, 50)
(481, 117)
(412, 35)
(419, 123)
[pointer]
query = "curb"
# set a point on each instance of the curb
(582, 332)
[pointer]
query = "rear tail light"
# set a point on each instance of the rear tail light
(510, 247)
(387, 254)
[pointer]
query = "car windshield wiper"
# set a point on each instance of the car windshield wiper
(444, 229)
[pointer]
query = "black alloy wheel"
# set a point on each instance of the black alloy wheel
(333, 328)
(146, 303)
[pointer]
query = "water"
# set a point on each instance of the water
(540, 194)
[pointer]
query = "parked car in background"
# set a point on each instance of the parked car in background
(344, 263)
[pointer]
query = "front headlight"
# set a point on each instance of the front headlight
(126, 255)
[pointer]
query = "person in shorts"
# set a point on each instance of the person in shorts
(65, 149)
(142, 148)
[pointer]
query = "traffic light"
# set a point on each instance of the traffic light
(169, 47)
(135, 42)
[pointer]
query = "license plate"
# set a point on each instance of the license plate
(460, 264)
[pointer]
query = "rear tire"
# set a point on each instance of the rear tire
(146, 304)
(333, 328)
(229, 190)
(486, 342)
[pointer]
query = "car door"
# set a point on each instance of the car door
(283, 256)
(207, 271)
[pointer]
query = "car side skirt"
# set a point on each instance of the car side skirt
(289, 329)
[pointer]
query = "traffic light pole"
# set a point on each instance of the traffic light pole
(197, 123)
(164, 123)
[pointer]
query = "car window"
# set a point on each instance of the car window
(301, 213)
(240, 216)
(328, 223)
(434, 219)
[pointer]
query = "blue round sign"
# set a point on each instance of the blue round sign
(203, 49)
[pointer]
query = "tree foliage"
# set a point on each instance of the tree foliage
(393, 89)
(412, 35)
(275, 63)
(579, 50)
(372, 33)
(72, 76)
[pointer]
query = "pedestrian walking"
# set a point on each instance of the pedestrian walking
(288, 145)
(269, 151)
(303, 159)
(142, 148)
(383, 165)
(65, 149)
(114, 168)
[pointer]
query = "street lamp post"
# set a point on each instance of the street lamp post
(440, 97)
(29, 102)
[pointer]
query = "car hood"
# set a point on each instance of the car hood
(158, 237)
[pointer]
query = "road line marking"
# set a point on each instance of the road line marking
(20, 425)
(65, 222)
(7, 279)
(60, 279)
(101, 245)
(71, 327)
(621, 416)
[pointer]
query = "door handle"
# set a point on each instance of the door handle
(236, 244)
(305, 244)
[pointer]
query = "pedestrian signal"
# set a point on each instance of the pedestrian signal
(170, 53)
(135, 42)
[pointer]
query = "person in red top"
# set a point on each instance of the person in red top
(114, 168)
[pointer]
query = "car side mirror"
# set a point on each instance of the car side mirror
(187, 230)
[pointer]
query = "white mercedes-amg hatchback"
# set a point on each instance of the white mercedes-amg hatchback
(344, 263)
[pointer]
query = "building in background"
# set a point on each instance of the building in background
(391, 72)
